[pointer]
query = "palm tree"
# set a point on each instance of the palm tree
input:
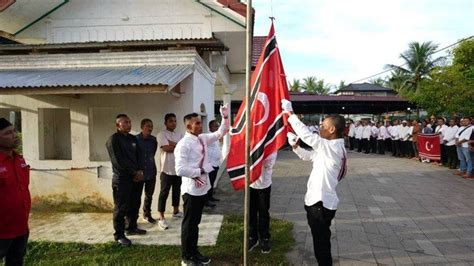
(418, 62)
(342, 85)
(323, 88)
(378, 81)
(309, 84)
(295, 86)
(399, 81)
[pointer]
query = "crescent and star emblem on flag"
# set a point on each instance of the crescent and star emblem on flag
(262, 97)
(428, 146)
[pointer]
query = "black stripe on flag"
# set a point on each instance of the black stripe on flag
(259, 152)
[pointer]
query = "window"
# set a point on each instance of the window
(101, 126)
(12, 115)
(54, 134)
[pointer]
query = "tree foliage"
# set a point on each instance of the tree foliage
(448, 89)
(312, 85)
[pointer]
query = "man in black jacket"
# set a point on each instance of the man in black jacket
(123, 152)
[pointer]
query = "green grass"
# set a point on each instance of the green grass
(61, 203)
(228, 250)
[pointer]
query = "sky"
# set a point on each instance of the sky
(351, 40)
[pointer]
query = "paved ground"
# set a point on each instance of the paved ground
(93, 228)
(392, 211)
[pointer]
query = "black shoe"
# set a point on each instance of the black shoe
(214, 199)
(192, 261)
(209, 204)
(253, 242)
(202, 259)
(136, 231)
(266, 247)
(123, 241)
(149, 219)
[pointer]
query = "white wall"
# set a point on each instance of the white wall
(107, 20)
(81, 177)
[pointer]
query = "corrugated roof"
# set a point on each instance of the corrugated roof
(257, 48)
(365, 87)
(304, 97)
(169, 75)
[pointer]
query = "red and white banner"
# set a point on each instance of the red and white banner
(268, 88)
(429, 146)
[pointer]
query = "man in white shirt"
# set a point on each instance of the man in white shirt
(366, 133)
(192, 163)
(395, 138)
(358, 136)
(404, 135)
(167, 140)
(388, 136)
(259, 220)
(464, 156)
(329, 167)
(215, 155)
(351, 134)
(381, 138)
(440, 129)
(374, 132)
(449, 141)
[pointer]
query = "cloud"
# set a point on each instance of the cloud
(349, 40)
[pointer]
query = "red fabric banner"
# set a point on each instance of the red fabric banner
(268, 88)
(429, 146)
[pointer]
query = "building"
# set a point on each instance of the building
(69, 67)
(365, 89)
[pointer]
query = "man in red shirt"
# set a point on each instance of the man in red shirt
(15, 201)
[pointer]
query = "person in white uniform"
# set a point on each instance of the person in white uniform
(192, 164)
(329, 159)
(259, 220)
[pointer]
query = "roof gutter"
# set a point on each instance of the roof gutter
(220, 13)
(40, 18)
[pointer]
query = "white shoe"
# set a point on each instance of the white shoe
(178, 215)
(163, 224)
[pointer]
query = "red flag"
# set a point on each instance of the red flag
(268, 88)
(429, 146)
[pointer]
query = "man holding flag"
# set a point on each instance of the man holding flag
(329, 168)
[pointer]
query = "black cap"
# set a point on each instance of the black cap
(4, 123)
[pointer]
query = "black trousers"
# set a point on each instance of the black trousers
(134, 207)
(193, 206)
(381, 146)
(388, 145)
(366, 145)
(358, 144)
(149, 190)
(319, 220)
(259, 220)
(351, 143)
(444, 158)
(14, 250)
(169, 182)
(121, 195)
(373, 144)
(212, 178)
(396, 147)
(452, 156)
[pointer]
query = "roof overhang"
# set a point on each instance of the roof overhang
(138, 72)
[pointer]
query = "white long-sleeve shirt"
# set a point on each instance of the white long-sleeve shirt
(464, 134)
(374, 131)
(358, 131)
(214, 153)
(191, 154)
(394, 132)
(265, 180)
(329, 165)
(352, 130)
(450, 135)
(404, 133)
(382, 133)
(441, 129)
(366, 132)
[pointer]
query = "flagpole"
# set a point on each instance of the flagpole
(248, 70)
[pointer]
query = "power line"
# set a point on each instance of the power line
(391, 68)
